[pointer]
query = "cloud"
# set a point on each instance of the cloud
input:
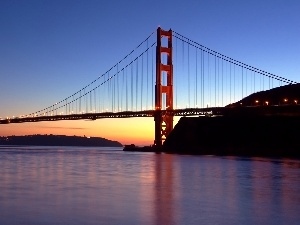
(64, 128)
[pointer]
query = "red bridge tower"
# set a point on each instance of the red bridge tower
(163, 87)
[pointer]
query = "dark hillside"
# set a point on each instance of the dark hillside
(284, 95)
(58, 140)
(273, 136)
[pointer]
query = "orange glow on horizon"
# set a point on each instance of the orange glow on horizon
(138, 131)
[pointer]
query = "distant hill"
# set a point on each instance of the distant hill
(284, 95)
(58, 140)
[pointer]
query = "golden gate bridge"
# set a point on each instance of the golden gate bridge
(166, 75)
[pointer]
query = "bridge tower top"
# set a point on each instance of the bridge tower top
(163, 90)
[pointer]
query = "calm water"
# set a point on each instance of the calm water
(67, 185)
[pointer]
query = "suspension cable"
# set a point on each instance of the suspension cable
(226, 58)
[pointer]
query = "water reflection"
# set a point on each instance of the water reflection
(164, 191)
(91, 186)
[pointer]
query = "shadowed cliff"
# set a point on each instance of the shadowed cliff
(276, 136)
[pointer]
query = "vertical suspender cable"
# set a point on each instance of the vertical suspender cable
(147, 83)
(222, 84)
(108, 92)
(189, 88)
(101, 97)
(263, 83)
(234, 82)
(208, 76)
(183, 61)
(260, 82)
(80, 102)
(91, 101)
(122, 92)
(215, 81)
(76, 107)
(246, 83)
(113, 84)
(254, 81)
(176, 73)
(107, 100)
(118, 89)
(136, 83)
(131, 86)
(242, 82)
(95, 100)
(203, 77)
(230, 83)
(126, 87)
(142, 75)
(111, 93)
(218, 82)
(86, 101)
(69, 106)
(153, 83)
(196, 102)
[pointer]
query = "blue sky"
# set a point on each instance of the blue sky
(50, 49)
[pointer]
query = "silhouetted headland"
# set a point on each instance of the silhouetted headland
(284, 95)
(263, 129)
(272, 136)
(58, 140)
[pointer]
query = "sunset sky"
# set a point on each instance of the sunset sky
(51, 49)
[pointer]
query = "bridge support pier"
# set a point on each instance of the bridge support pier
(163, 87)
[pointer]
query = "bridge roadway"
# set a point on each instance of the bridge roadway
(288, 110)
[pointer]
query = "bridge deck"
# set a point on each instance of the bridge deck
(289, 110)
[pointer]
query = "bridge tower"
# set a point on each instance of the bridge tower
(163, 87)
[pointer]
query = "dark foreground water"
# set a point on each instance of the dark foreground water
(69, 185)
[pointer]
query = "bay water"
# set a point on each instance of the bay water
(91, 185)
